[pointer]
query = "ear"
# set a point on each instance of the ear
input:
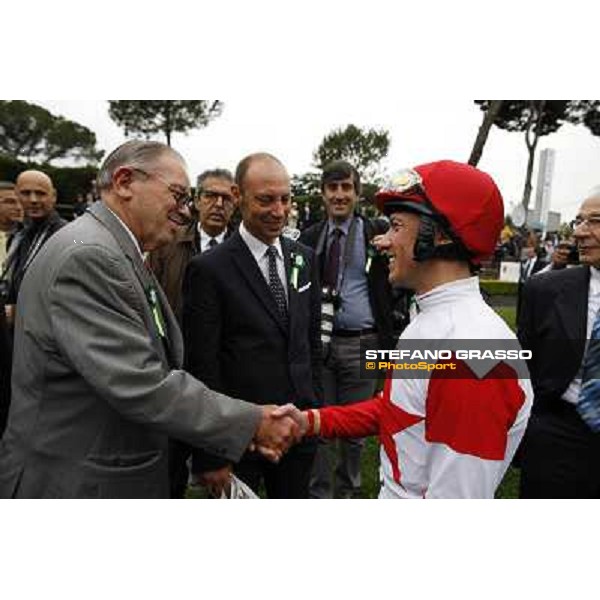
(122, 179)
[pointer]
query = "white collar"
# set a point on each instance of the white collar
(209, 237)
(453, 290)
(256, 246)
(135, 241)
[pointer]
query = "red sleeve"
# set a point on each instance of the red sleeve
(354, 420)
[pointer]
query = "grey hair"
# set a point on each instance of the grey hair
(7, 185)
(135, 153)
(213, 173)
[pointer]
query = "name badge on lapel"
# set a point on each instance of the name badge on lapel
(157, 313)
(297, 261)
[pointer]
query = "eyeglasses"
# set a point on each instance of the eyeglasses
(212, 197)
(181, 197)
(592, 222)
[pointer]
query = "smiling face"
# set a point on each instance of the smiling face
(398, 243)
(152, 201)
(340, 198)
(587, 232)
(265, 199)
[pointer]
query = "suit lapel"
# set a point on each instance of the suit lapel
(286, 248)
(171, 352)
(251, 273)
(571, 306)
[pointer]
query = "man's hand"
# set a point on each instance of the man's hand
(275, 434)
(289, 410)
(216, 481)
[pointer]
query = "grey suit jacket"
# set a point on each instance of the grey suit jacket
(96, 391)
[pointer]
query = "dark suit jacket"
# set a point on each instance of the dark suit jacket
(235, 339)
(552, 324)
(169, 262)
(539, 264)
(380, 292)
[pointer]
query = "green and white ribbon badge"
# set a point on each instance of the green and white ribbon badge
(297, 264)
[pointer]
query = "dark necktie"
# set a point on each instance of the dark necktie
(332, 265)
(212, 243)
(588, 405)
(275, 284)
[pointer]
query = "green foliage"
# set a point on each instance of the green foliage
(362, 148)
(499, 288)
(151, 117)
(68, 181)
(30, 132)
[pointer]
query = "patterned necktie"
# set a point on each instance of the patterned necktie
(332, 266)
(588, 405)
(275, 284)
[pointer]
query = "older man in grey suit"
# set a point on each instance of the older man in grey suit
(97, 383)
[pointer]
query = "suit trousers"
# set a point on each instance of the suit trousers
(285, 480)
(336, 472)
(560, 455)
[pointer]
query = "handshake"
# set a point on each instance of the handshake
(279, 428)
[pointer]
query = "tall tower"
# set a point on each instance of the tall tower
(544, 186)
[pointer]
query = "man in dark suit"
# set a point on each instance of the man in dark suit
(560, 454)
(214, 206)
(357, 275)
(251, 323)
(97, 381)
(531, 265)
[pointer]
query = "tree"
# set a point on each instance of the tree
(362, 148)
(535, 118)
(489, 117)
(150, 117)
(30, 132)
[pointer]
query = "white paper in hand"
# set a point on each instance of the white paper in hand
(238, 490)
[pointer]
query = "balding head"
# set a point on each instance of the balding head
(37, 194)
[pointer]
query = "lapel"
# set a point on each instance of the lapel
(251, 273)
(286, 248)
(571, 305)
(172, 349)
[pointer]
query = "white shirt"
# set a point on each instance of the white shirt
(258, 250)
(572, 392)
(205, 239)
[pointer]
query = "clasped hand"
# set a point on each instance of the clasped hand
(279, 428)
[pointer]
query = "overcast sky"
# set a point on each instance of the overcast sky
(420, 131)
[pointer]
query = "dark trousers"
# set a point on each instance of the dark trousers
(560, 455)
(179, 473)
(287, 479)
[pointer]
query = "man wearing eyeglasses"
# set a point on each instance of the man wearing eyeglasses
(560, 454)
(213, 208)
(97, 382)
